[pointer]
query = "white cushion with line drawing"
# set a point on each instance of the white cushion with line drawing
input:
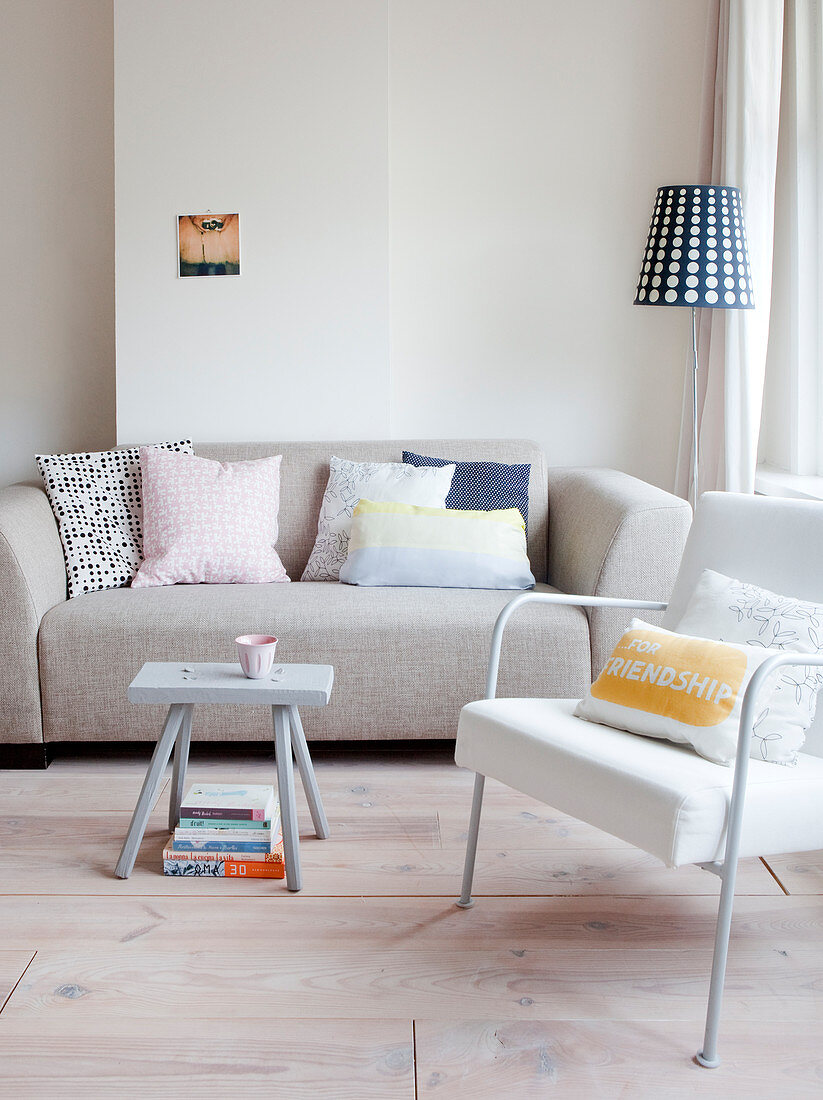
(736, 611)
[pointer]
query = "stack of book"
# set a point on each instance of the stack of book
(227, 831)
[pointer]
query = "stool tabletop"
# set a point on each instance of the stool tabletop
(192, 682)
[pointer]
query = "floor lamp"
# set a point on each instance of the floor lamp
(696, 255)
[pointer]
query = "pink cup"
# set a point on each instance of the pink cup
(256, 652)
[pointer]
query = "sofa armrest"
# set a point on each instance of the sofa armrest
(32, 580)
(611, 534)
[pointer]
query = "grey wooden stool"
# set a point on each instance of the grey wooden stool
(182, 686)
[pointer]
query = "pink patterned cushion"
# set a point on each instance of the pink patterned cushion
(207, 522)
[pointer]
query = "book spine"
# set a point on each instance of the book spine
(254, 870)
(222, 869)
(262, 836)
(247, 813)
(211, 846)
(227, 857)
(223, 823)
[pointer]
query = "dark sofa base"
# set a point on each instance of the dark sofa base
(17, 757)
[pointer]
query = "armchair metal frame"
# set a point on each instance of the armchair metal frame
(725, 869)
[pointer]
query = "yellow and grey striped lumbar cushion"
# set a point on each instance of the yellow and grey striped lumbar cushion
(403, 544)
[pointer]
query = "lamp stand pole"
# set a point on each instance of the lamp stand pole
(694, 406)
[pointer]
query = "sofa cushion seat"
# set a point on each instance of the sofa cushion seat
(432, 645)
(661, 797)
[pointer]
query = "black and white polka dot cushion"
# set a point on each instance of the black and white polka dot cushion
(96, 501)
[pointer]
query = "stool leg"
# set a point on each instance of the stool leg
(285, 790)
(306, 769)
(148, 792)
(181, 760)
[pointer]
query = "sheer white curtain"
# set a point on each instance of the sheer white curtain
(739, 140)
(792, 427)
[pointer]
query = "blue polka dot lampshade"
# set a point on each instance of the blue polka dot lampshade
(696, 254)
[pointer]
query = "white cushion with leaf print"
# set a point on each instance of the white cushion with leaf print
(425, 486)
(731, 610)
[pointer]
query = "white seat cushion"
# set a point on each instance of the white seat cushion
(661, 797)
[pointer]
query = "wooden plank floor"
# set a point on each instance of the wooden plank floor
(582, 971)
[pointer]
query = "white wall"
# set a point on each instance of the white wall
(443, 207)
(57, 187)
(277, 110)
(528, 141)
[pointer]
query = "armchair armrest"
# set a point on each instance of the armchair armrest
(748, 717)
(32, 580)
(549, 597)
(611, 534)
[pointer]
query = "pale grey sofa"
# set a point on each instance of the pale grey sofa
(406, 659)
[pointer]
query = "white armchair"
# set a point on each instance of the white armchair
(659, 796)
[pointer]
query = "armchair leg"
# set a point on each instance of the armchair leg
(466, 900)
(708, 1055)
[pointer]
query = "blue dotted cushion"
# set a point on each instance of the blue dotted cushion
(483, 486)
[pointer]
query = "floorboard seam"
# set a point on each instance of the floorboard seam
(389, 897)
(414, 1058)
(19, 980)
(768, 867)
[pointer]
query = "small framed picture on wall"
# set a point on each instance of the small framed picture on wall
(208, 244)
